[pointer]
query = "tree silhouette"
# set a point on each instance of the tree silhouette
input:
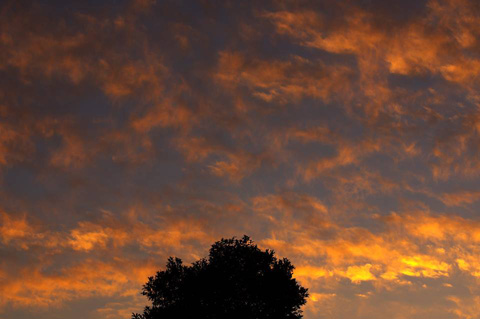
(237, 280)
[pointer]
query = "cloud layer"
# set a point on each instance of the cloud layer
(342, 135)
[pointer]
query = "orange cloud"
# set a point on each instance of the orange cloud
(346, 155)
(459, 198)
(328, 135)
(412, 48)
(282, 81)
(12, 228)
(387, 258)
(91, 278)
(236, 167)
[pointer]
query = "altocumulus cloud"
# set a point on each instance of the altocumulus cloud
(343, 135)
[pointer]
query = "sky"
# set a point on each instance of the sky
(344, 135)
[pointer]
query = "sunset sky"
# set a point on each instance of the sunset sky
(345, 135)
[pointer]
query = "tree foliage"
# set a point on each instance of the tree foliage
(236, 280)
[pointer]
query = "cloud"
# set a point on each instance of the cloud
(13, 228)
(282, 81)
(459, 198)
(91, 278)
(344, 136)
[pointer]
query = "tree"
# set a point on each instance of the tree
(237, 280)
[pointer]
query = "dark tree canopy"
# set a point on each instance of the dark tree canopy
(237, 280)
